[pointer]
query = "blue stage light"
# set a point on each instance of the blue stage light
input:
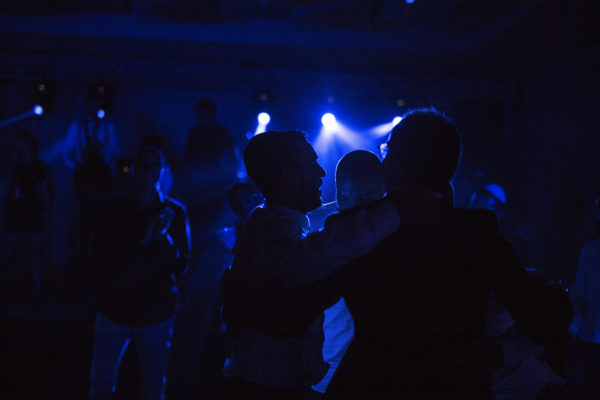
(264, 118)
(101, 113)
(410, 1)
(38, 110)
(328, 120)
(396, 120)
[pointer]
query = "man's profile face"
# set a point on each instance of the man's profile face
(310, 174)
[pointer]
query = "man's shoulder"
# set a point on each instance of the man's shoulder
(469, 226)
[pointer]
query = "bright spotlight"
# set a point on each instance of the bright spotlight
(410, 1)
(100, 114)
(328, 120)
(396, 120)
(38, 110)
(264, 118)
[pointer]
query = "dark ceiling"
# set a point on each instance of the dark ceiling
(461, 15)
(63, 38)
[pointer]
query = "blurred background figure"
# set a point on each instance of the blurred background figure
(207, 174)
(493, 197)
(243, 198)
(359, 179)
(583, 379)
(141, 248)
(91, 142)
(200, 345)
(525, 373)
(28, 211)
(89, 148)
(208, 143)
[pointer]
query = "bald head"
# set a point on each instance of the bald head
(359, 179)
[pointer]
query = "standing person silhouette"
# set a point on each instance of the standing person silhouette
(28, 210)
(142, 244)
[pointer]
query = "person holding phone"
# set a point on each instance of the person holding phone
(141, 246)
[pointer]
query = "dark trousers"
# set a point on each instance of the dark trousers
(111, 340)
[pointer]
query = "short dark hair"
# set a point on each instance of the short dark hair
(424, 150)
(268, 153)
(208, 104)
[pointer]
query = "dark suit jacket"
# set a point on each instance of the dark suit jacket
(419, 303)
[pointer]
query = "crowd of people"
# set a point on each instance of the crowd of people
(388, 292)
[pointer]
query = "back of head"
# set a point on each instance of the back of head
(423, 151)
(267, 154)
(358, 178)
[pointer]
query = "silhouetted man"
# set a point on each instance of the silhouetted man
(142, 243)
(419, 300)
(272, 356)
